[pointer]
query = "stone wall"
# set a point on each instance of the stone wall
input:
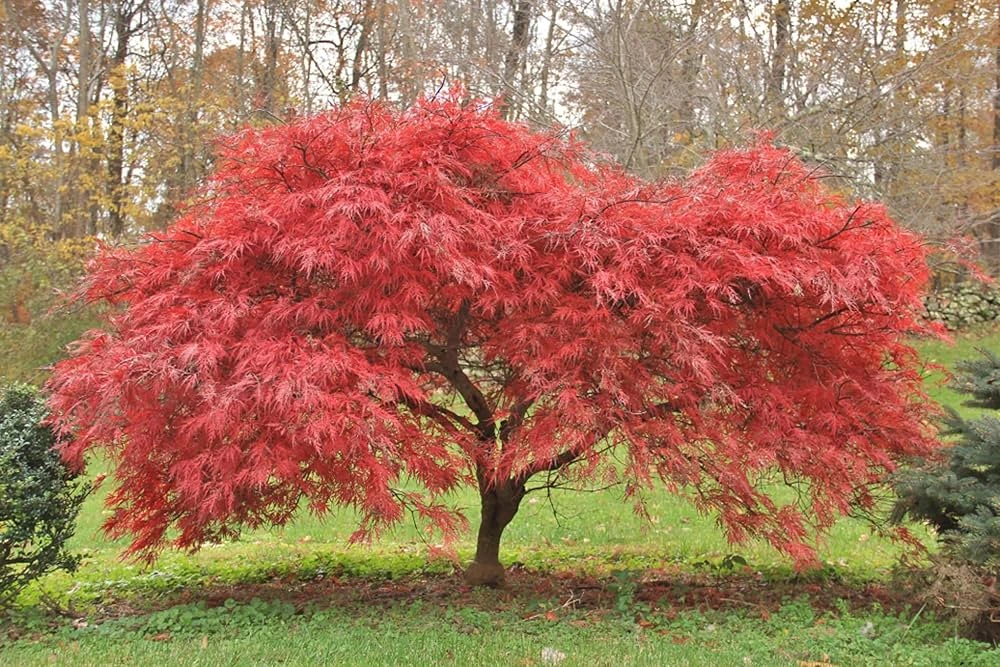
(964, 306)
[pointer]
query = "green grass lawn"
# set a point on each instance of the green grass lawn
(946, 354)
(301, 595)
(487, 632)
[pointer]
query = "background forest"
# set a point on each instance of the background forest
(109, 109)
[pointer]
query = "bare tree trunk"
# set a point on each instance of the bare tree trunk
(625, 76)
(241, 78)
(72, 227)
(197, 74)
(357, 67)
(996, 94)
(58, 202)
(543, 93)
(83, 74)
(116, 130)
(86, 214)
(781, 20)
(518, 51)
(409, 87)
(689, 73)
(499, 504)
(307, 61)
(994, 224)
(382, 34)
(271, 48)
(885, 164)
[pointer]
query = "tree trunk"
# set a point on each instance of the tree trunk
(995, 162)
(517, 54)
(241, 100)
(994, 224)
(781, 19)
(411, 84)
(358, 66)
(690, 64)
(499, 505)
(83, 75)
(381, 34)
(543, 94)
(269, 84)
(119, 113)
(189, 175)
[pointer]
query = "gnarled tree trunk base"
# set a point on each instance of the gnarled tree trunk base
(484, 574)
(499, 505)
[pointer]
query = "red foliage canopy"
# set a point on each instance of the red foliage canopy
(440, 295)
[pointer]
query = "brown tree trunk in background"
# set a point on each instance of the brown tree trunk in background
(782, 22)
(887, 164)
(83, 74)
(382, 33)
(517, 52)
(499, 504)
(86, 213)
(545, 73)
(116, 129)
(689, 76)
(197, 72)
(269, 83)
(994, 224)
(996, 93)
(357, 66)
(241, 78)
(58, 201)
(472, 41)
(411, 84)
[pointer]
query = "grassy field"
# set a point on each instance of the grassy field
(592, 584)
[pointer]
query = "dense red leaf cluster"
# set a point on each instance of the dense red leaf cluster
(370, 297)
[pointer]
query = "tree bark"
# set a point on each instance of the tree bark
(241, 100)
(269, 83)
(690, 64)
(499, 504)
(517, 53)
(83, 75)
(995, 162)
(410, 84)
(782, 23)
(545, 73)
(382, 36)
(358, 65)
(193, 102)
(119, 113)
(994, 225)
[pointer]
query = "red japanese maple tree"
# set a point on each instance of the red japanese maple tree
(371, 296)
